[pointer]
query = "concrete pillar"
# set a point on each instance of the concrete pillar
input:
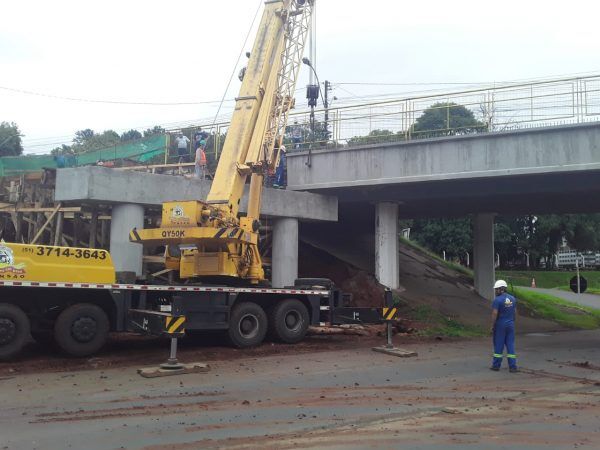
(284, 264)
(483, 254)
(387, 256)
(126, 256)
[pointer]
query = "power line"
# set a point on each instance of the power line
(413, 84)
(112, 102)
(237, 63)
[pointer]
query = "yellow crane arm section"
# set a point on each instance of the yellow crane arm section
(246, 129)
(208, 239)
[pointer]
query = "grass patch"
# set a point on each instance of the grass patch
(437, 324)
(558, 310)
(450, 265)
(548, 279)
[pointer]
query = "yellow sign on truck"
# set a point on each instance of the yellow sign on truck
(22, 262)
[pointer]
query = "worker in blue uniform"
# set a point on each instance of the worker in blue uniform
(503, 327)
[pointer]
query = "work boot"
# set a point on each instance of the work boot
(495, 369)
(513, 370)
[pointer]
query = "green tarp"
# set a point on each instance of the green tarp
(142, 150)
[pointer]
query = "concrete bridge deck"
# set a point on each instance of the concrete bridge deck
(553, 169)
(538, 170)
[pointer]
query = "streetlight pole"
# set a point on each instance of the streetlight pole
(312, 94)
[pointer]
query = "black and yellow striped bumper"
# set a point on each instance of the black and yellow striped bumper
(155, 323)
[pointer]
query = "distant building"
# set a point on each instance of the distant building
(567, 258)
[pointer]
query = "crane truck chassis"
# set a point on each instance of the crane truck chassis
(77, 317)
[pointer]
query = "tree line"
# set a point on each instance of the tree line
(83, 141)
(517, 239)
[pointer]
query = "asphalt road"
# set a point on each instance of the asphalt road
(591, 300)
(347, 399)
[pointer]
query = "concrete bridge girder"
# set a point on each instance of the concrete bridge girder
(130, 192)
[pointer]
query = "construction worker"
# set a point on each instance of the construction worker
(503, 327)
(182, 147)
(200, 161)
(199, 136)
(297, 135)
(281, 171)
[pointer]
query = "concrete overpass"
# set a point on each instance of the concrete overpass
(130, 193)
(540, 170)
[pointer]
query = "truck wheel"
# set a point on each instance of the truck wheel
(247, 325)
(288, 321)
(81, 329)
(14, 330)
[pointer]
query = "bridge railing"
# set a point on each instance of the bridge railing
(507, 106)
(498, 108)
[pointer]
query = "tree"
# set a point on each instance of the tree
(62, 150)
(581, 234)
(319, 138)
(374, 137)
(82, 136)
(454, 236)
(131, 135)
(87, 140)
(447, 119)
(157, 129)
(10, 139)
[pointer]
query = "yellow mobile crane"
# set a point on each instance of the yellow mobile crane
(69, 296)
(215, 241)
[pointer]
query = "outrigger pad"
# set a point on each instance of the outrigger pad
(181, 369)
(394, 351)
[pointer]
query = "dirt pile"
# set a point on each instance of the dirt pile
(365, 289)
(427, 286)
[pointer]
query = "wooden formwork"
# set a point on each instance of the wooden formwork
(29, 215)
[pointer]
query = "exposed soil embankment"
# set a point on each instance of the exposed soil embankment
(426, 285)
(317, 263)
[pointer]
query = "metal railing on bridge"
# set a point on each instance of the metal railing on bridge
(508, 106)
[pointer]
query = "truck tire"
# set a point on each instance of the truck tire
(247, 325)
(288, 321)
(14, 330)
(81, 329)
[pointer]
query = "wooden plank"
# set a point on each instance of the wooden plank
(104, 234)
(161, 272)
(59, 227)
(153, 259)
(11, 207)
(19, 227)
(41, 230)
(77, 225)
(93, 228)
(156, 166)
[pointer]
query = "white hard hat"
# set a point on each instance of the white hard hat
(500, 284)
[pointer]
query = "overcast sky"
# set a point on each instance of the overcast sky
(185, 51)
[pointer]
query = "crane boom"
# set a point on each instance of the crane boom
(208, 239)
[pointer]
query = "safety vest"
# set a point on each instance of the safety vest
(200, 157)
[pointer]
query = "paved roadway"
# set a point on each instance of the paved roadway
(347, 399)
(591, 300)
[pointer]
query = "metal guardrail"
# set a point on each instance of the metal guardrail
(510, 106)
